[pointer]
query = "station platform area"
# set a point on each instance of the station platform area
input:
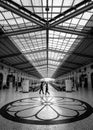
(54, 111)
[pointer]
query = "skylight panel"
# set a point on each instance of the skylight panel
(65, 24)
(67, 2)
(26, 2)
(53, 62)
(52, 66)
(86, 14)
(19, 20)
(56, 10)
(57, 3)
(1, 17)
(75, 21)
(82, 22)
(4, 24)
(11, 22)
(77, 1)
(7, 15)
(18, 1)
(2, 9)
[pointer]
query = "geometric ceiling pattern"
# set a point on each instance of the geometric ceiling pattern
(45, 32)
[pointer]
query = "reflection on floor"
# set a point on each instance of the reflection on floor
(57, 111)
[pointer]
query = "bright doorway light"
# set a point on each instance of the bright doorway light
(47, 79)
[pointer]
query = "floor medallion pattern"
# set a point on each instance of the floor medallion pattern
(46, 110)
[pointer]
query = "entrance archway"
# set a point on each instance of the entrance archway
(92, 79)
(1, 80)
(83, 80)
(10, 80)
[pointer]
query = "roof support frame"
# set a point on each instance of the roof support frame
(19, 12)
(32, 52)
(70, 31)
(74, 53)
(25, 10)
(69, 10)
(10, 55)
(37, 28)
(74, 63)
(45, 60)
(73, 14)
(47, 34)
(23, 68)
(20, 63)
(23, 31)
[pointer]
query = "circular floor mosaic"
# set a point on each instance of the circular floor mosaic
(46, 110)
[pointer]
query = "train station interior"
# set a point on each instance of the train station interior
(46, 64)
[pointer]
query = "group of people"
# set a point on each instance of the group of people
(44, 84)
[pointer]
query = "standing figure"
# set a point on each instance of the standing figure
(46, 89)
(41, 88)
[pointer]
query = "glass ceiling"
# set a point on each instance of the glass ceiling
(45, 51)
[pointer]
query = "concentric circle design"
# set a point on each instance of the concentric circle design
(46, 110)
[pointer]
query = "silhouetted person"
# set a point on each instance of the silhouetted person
(41, 88)
(16, 84)
(46, 89)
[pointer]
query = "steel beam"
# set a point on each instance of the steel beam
(10, 55)
(32, 52)
(73, 14)
(23, 68)
(48, 60)
(20, 63)
(47, 33)
(47, 39)
(58, 51)
(26, 10)
(44, 65)
(82, 55)
(20, 12)
(69, 10)
(73, 53)
(23, 31)
(65, 30)
(74, 63)
(65, 67)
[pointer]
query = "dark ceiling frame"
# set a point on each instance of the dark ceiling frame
(73, 63)
(23, 68)
(47, 25)
(20, 63)
(10, 55)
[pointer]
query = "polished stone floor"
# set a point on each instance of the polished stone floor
(57, 111)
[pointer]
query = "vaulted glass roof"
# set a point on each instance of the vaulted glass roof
(45, 31)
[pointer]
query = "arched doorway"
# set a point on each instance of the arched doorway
(92, 79)
(83, 80)
(1, 80)
(10, 81)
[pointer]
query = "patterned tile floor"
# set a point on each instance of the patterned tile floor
(57, 111)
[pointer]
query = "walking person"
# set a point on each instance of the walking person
(41, 88)
(46, 89)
